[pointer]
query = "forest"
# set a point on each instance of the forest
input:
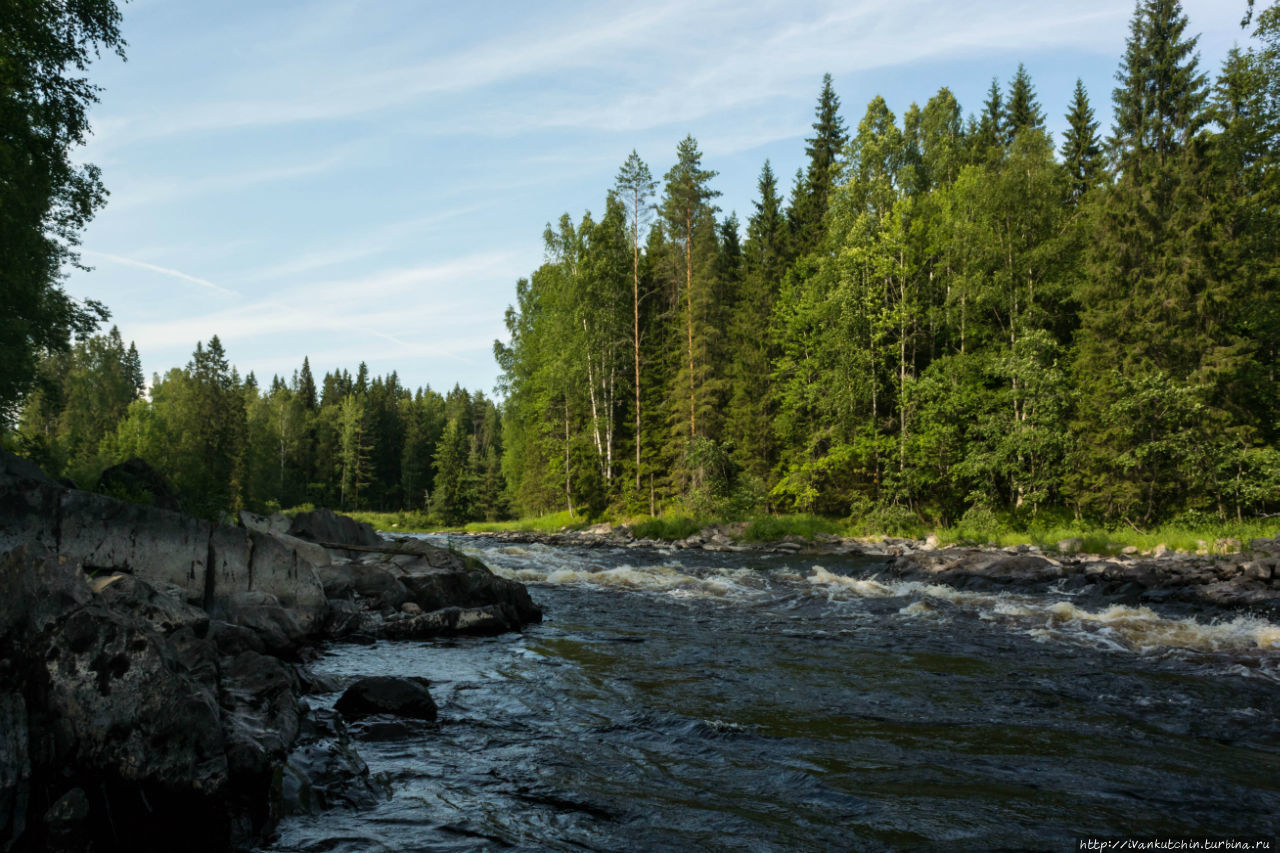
(941, 314)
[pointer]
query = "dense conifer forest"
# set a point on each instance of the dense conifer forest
(943, 313)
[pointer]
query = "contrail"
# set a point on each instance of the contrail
(162, 270)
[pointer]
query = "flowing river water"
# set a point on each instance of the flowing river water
(687, 700)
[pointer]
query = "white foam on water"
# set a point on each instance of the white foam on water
(536, 563)
(1050, 617)
(1117, 627)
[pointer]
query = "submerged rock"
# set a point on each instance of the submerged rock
(324, 771)
(450, 621)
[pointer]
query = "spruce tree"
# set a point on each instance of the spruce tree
(989, 135)
(749, 420)
(823, 149)
(1022, 110)
(1081, 147)
(1144, 330)
(686, 207)
(307, 385)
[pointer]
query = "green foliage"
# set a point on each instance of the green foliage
(45, 199)
(668, 527)
(772, 528)
(947, 324)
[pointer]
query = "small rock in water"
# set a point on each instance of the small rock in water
(1160, 551)
(411, 608)
(383, 694)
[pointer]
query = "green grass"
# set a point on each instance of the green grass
(770, 528)
(974, 529)
(397, 522)
(668, 527)
(1099, 539)
(553, 523)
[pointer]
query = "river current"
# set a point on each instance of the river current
(687, 700)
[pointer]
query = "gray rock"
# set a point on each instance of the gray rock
(325, 772)
(402, 697)
(262, 613)
(449, 579)
(15, 767)
(274, 524)
(329, 528)
(1257, 569)
(101, 533)
(451, 621)
(1073, 545)
(258, 696)
(65, 822)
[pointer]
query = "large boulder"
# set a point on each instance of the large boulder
(28, 504)
(104, 534)
(384, 694)
(438, 577)
(129, 697)
(15, 766)
(330, 529)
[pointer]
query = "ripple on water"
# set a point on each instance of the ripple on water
(684, 701)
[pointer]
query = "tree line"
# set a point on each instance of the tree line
(225, 443)
(942, 315)
(945, 315)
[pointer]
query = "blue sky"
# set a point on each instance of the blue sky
(367, 181)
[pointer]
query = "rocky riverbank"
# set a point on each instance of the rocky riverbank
(1247, 578)
(153, 666)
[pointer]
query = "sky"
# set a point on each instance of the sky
(367, 181)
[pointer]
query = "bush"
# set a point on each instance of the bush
(667, 527)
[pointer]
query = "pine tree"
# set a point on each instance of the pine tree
(635, 186)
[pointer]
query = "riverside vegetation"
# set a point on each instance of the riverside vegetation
(948, 325)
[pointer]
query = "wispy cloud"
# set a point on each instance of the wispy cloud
(373, 242)
(151, 192)
(396, 306)
(172, 273)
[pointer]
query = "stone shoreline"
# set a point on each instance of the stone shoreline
(153, 665)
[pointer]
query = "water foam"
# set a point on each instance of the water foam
(1118, 626)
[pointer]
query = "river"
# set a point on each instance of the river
(688, 700)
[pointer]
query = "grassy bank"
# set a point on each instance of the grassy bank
(976, 530)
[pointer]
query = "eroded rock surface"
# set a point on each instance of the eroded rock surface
(149, 691)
